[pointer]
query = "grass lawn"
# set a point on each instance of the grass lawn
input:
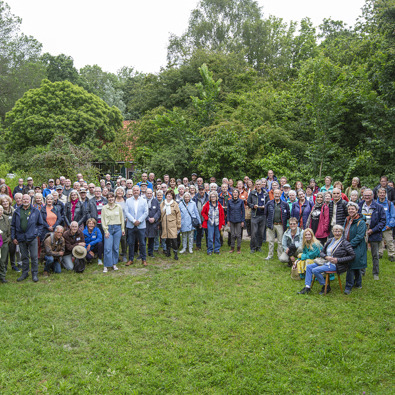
(203, 325)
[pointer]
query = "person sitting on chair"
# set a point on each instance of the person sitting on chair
(336, 254)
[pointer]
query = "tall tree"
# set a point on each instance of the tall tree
(20, 68)
(60, 68)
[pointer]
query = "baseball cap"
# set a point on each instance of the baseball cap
(29, 179)
(287, 186)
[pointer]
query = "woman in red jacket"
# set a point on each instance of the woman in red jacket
(214, 219)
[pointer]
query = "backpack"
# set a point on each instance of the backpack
(79, 265)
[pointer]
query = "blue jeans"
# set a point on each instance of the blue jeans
(67, 262)
(353, 278)
(51, 263)
(139, 234)
(156, 243)
(213, 238)
(317, 270)
(29, 248)
(111, 245)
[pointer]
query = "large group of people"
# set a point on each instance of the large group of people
(317, 229)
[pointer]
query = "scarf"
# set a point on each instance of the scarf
(167, 206)
(213, 215)
(347, 226)
(316, 206)
(73, 204)
(149, 201)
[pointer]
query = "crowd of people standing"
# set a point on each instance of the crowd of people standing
(317, 229)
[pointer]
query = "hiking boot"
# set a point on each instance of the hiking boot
(175, 255)
(238, 250)
(45, 274)
(34, 277)
(328, 289)
(232, 250)
(347, 291)
(305, 290)
(129, 263)
(23, 277)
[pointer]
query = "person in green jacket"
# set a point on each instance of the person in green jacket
(354, 232)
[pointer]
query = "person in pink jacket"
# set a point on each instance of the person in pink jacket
(318, 219)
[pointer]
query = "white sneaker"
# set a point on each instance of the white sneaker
(105, 270)
(268, 258)
(99, 262)
(182, 251)
(191, 251)
(115, 267)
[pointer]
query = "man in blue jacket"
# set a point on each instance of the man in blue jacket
(389, 210)
(375, 222)
(26, 226)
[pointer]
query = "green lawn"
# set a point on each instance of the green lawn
(205, 324)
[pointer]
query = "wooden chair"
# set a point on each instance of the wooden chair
(327, 274)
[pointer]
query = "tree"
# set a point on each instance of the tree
(60, 108)
(20, 68)
(60, 68)
(216, 25)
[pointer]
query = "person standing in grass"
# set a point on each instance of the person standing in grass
(214, 220)
(5, 237)
(26, 226)
(236, 218)
(354, 232)
(277, 214)
(136, 211)
(188, 211)
(375, 220)
(171, 222)
(390, 224)
(152, 221)
(113, 227)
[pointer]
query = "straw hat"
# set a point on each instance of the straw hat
(79, 252)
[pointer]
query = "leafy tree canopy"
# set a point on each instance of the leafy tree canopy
(60, 108)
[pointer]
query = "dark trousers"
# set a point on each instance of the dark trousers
(133, 235)
(257, 231)
(171, 243)
(353, 278)
(97, 248)
(151, 241)
(29, 248)
(199, 236)
(12, 254)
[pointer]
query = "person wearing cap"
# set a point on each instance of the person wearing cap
(285, 194)
(29, 186)
(51, 187)
(84, 200)
(108, 179)
(72, 237)
(54, 246)
(144, 178)
(143, 189)
(194, 180)
(61, 197)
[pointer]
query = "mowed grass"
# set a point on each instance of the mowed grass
(203, 325)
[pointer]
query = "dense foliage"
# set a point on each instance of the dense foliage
(242, 93)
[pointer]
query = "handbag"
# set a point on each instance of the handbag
(320, 261)
(295, 274)
(195, 221)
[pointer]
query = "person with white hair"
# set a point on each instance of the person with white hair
(337, 253)
(189, 212)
